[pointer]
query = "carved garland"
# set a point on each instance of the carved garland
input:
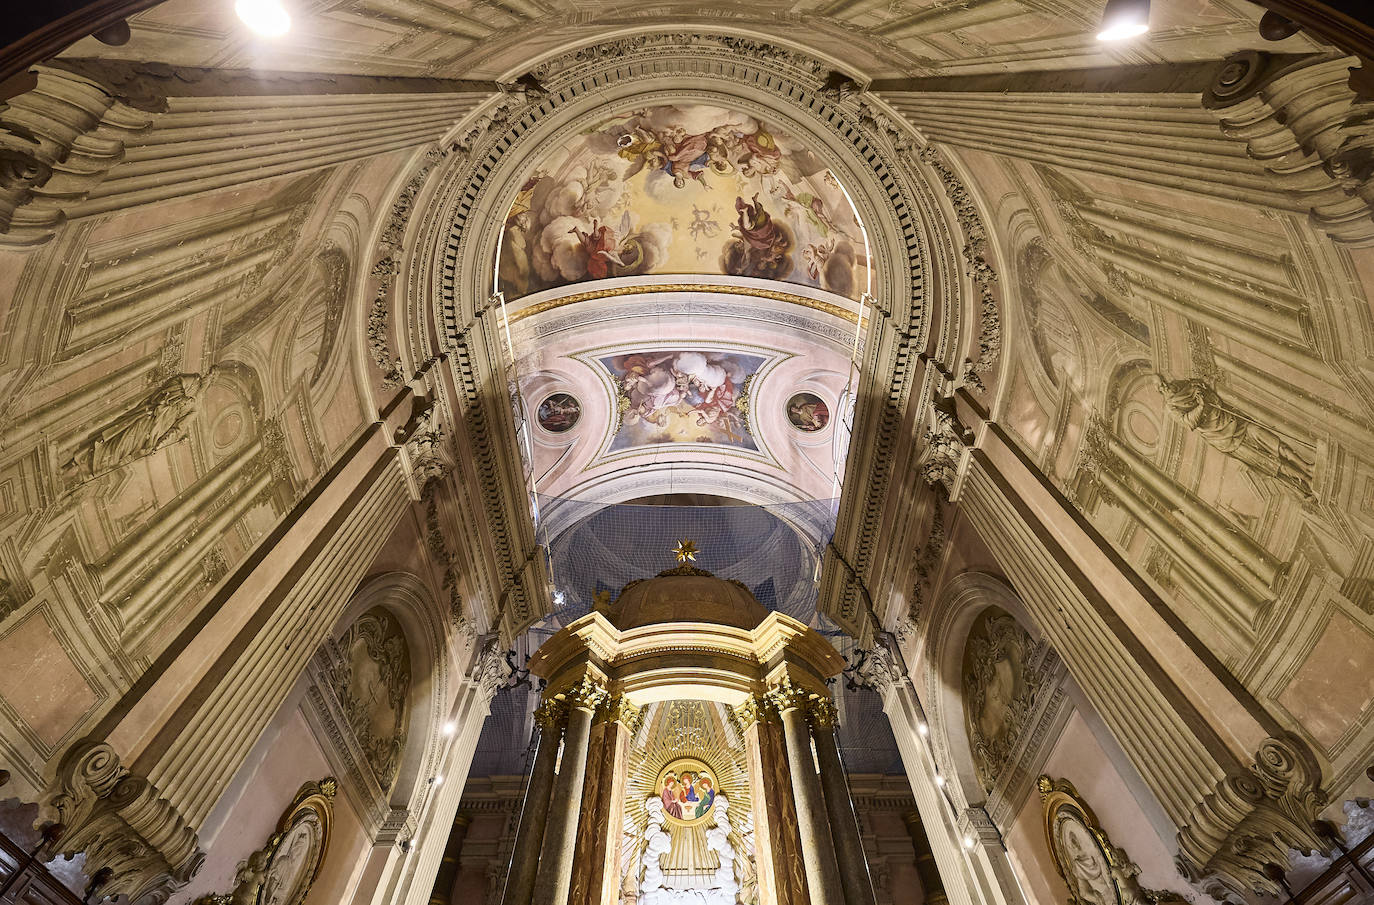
(379, 638)
(980, 270)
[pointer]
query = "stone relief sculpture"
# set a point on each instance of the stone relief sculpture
(1001, 688)
(159, 419)
(371, 677)
(283, 870)
(1096, 872)
(1198, 407)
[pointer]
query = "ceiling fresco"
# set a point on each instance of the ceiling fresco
(683, 397)
(684, 392)
(676, 189)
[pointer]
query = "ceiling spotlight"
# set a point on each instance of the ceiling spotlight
(939, 780)
(449, 728)
(968, 841)
(265, 17)
(1124, 19)
(923, 729)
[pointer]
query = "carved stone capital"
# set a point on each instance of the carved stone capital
(116, 819)
(618, 709)
(785, 696)
(823, 713)
(1254, 819)
(587, 694)
(551, 716)
(57, 142)
(1301, 119)
(490, 670)
(755, 709)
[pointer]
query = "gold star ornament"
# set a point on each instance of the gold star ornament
(686, 551)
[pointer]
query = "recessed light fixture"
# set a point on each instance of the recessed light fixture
(1124, 19)
(449, 728)
(265, 17)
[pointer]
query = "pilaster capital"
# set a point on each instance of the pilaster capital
(119, 821)
(823, 713)
(618, 709)
(1252, 820)
(551, 715)
(755, 709)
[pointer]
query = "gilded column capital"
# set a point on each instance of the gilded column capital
(618, 709)
(551, 715)
(785, 696)
(588, 694)
(755, 709)
(823, 713)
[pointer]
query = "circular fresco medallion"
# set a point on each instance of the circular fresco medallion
(808, 412)
(559, 413)
(688, 789)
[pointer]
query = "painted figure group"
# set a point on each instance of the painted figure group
(688, 796)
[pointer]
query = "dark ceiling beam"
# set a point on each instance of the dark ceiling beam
(31, 32)
(1149, 78)
(195, 81)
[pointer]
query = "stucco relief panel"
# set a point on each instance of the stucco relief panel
(370, 676)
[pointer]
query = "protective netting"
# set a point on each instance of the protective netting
(774, 550)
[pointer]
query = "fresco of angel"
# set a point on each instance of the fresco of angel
(638, 193)
(682, 396)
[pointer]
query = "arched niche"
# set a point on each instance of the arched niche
(389, 612)
(962, 612)
(1062, 735)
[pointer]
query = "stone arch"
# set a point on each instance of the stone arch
(484, 172)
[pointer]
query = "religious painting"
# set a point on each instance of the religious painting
(808, 412)
(682, 188)
(558, 413)
(687, 788)
(683, 397)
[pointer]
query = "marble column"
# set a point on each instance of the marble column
(554, 878)
(777, 855)
(601, 827)
(839, 808)
(448, 867)
(931, 885)
(549, 717)
(818, 849)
